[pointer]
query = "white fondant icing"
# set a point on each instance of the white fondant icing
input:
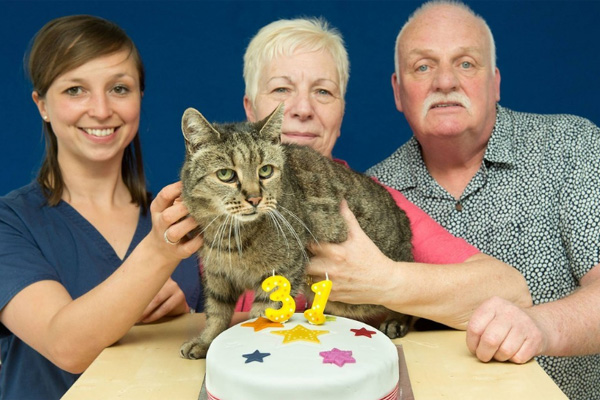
(295, 370)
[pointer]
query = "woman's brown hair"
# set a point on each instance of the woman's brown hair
(64, 44)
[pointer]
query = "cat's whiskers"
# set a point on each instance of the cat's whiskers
(209, 224)
(228, 223)
(287, 224)
(218, 233)
(238, 240)
(301, 222)
(229, 236)
(206, 259)
(234, 228)
(231, 223)
(218, 239)
(278, 227)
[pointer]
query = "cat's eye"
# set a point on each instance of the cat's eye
(226, 175)
(266, 171)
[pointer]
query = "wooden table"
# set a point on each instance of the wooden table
(145, 364)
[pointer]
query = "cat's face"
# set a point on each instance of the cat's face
(232, 170)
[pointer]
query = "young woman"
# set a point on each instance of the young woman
(83, 253)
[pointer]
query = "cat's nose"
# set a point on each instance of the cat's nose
(254, 200)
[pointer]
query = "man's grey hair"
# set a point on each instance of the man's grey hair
(434, 3)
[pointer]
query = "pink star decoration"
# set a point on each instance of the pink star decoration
(337, 357)
(363, 332)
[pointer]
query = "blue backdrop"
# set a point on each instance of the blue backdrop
(548, 55)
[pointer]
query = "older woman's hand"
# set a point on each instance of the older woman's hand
(356, 267)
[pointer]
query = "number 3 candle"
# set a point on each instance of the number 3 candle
(282, 294)
(314, 315)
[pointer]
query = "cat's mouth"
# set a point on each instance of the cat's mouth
(249, 216)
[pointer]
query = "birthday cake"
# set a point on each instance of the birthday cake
(340, 359)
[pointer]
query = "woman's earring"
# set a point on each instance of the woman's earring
(45, 118)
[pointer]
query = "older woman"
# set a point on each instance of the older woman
(83, 253)
(303, 63)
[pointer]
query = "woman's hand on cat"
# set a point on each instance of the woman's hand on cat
(169, 301)
(356, 267)
(171, 223)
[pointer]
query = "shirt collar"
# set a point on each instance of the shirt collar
(411, 159)
(500, 148)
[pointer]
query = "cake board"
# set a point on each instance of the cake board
(404, 392)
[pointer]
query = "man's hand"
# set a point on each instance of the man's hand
(502, 331)
(355, 266)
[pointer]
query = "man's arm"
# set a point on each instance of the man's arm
(570, 326)
(448, 294)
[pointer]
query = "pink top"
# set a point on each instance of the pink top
(432, 244)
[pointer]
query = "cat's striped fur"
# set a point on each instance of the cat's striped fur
(260, 203)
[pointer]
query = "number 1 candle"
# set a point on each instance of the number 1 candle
(282, 294)
(314, 315)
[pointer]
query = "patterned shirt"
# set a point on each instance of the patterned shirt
(534, 204)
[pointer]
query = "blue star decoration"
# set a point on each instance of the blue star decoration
(337, 357)
(256, 356)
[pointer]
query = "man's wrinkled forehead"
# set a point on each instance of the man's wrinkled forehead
(443, 25)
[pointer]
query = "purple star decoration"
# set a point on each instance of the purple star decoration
(337, 357)
(256, 356)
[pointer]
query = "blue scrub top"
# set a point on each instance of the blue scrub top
(39, 242)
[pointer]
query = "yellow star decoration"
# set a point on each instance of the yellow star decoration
(262, 323)
(300, 333)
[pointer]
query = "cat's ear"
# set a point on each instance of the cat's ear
(271, 125)
(196, 130)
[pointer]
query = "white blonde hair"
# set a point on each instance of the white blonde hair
(434, 3)
(285, 36)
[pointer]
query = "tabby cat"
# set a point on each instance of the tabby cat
(260, 203)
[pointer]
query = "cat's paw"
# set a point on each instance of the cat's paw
(193, 349)
(395, 328)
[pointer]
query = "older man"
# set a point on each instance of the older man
(521, 187)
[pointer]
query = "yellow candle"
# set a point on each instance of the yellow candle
(282, 294)
(314, 315)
